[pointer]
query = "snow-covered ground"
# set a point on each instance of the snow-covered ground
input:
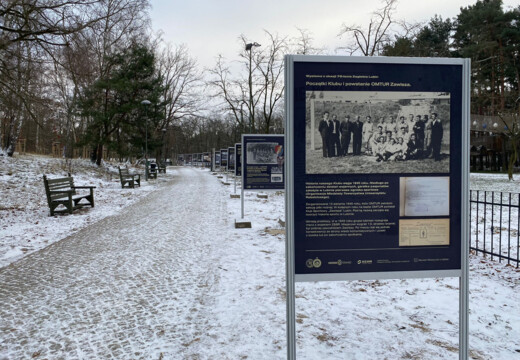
(25, 224)
(244, 314)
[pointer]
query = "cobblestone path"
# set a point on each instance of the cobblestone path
(132, 286)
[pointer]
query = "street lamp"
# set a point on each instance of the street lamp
(249, 47)
(164, 145)
(146, 103)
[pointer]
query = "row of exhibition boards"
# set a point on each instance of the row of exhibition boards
(261, 165)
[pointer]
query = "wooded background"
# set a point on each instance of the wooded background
(74, 75)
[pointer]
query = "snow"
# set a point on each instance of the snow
(185, 284)
(495, 182)
(25, 226)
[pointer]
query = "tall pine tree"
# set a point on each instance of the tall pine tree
(117, 119)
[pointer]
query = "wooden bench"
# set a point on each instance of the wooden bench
(127, 179)
(62, 191)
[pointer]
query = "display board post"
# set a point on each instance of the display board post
(378, 168)
(242, 202)
(238, 163)
(464, 279)
(289, 243)
(242, 187)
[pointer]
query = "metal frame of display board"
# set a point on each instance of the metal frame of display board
(293, 93)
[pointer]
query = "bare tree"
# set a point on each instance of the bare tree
(43, 22)
(122, 21)
(370, 40)
(228, 92)
(252, 58)
(87, 57)
(182, 82)
(19, 81)
(512, 132)
(259, 89)
(271, 66)
(43, 29)
(303, 43)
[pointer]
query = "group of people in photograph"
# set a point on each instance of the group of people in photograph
(417, 137)
(262, 153)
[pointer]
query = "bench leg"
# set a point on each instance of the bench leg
(91, 197)
(128, 183)
(70, 204)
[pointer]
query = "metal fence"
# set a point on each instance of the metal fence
(495, 221)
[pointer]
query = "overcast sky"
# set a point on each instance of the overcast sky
(212, 27)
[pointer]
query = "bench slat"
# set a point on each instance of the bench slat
(62, 181)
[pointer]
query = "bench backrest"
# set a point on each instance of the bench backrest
(123, 172)
(65, 184)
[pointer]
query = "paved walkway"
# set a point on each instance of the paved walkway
(131, 286)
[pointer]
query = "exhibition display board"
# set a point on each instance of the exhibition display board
(206, 159)
(377, 169)
(223, 159)
(263, 162)
(231, 160)
(217, 160)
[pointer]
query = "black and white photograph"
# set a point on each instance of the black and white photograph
(377, 132)
(262, 153)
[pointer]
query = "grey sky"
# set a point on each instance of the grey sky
(212, 27)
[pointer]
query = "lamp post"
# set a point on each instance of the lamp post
(249, 47)
(164, 145)
(146, 103)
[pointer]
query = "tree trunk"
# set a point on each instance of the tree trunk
(512, 161)
(12, 136)
(99, 154)
(514, 154)
(493, 85)
(502, 78)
